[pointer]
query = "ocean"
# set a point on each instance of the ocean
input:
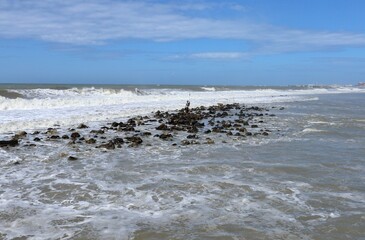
(256, 162)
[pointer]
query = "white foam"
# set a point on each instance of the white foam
(45, 107)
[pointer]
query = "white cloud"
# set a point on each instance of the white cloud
(99, 21)
(210, 56)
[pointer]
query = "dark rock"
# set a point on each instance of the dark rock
(163, 127)
(185, 142)
(54, 137)
(208, 131)
(90, 141)
(65, 137)
(97, 131)
(109, 145)
(127, 129)
(115, 124)
(118, 140)
(75, 135)
(81, 126)
(81, 139)
(71, 158)
(16, 163)
(146, 134)
(20, 135)
(242, 130)
(166, 136)
(36, 139)
(11, 143)
(282, 108)
(265, 133)
(254, 126)
(51, 131)
(192, 136)
(36, 132)
(135, 139)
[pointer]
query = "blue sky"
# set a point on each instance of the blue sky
(247, 42)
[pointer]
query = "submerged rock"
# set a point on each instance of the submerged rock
(72, 158)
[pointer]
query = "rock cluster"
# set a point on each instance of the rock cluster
(187, 126)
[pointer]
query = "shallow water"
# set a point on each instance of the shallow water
(304, 181)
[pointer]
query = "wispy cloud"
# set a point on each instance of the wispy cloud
(77, 22)
(210, 56)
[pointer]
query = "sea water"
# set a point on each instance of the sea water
(303, 181)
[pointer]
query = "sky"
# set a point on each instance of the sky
(246, 42)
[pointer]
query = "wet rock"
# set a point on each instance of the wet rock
(11, 143)
(97, 131)
(54, 137)
(146, 134)
(193, 136)
(165, 136)
(20, 135)
(75, 135)
(134, 139)
(36, 139)
(208, 131)
(127, 129)
(209, 141)
(51, 131)
(109, 145)
(81, 126)
(115, 124)
(254, 126)
(65, 137)
(163, 127)
(36, 133)
(118, 140)
(282, 108)
(185, 142)
(265, 133)
(242, 130)
(72, 158)
(90, 141)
